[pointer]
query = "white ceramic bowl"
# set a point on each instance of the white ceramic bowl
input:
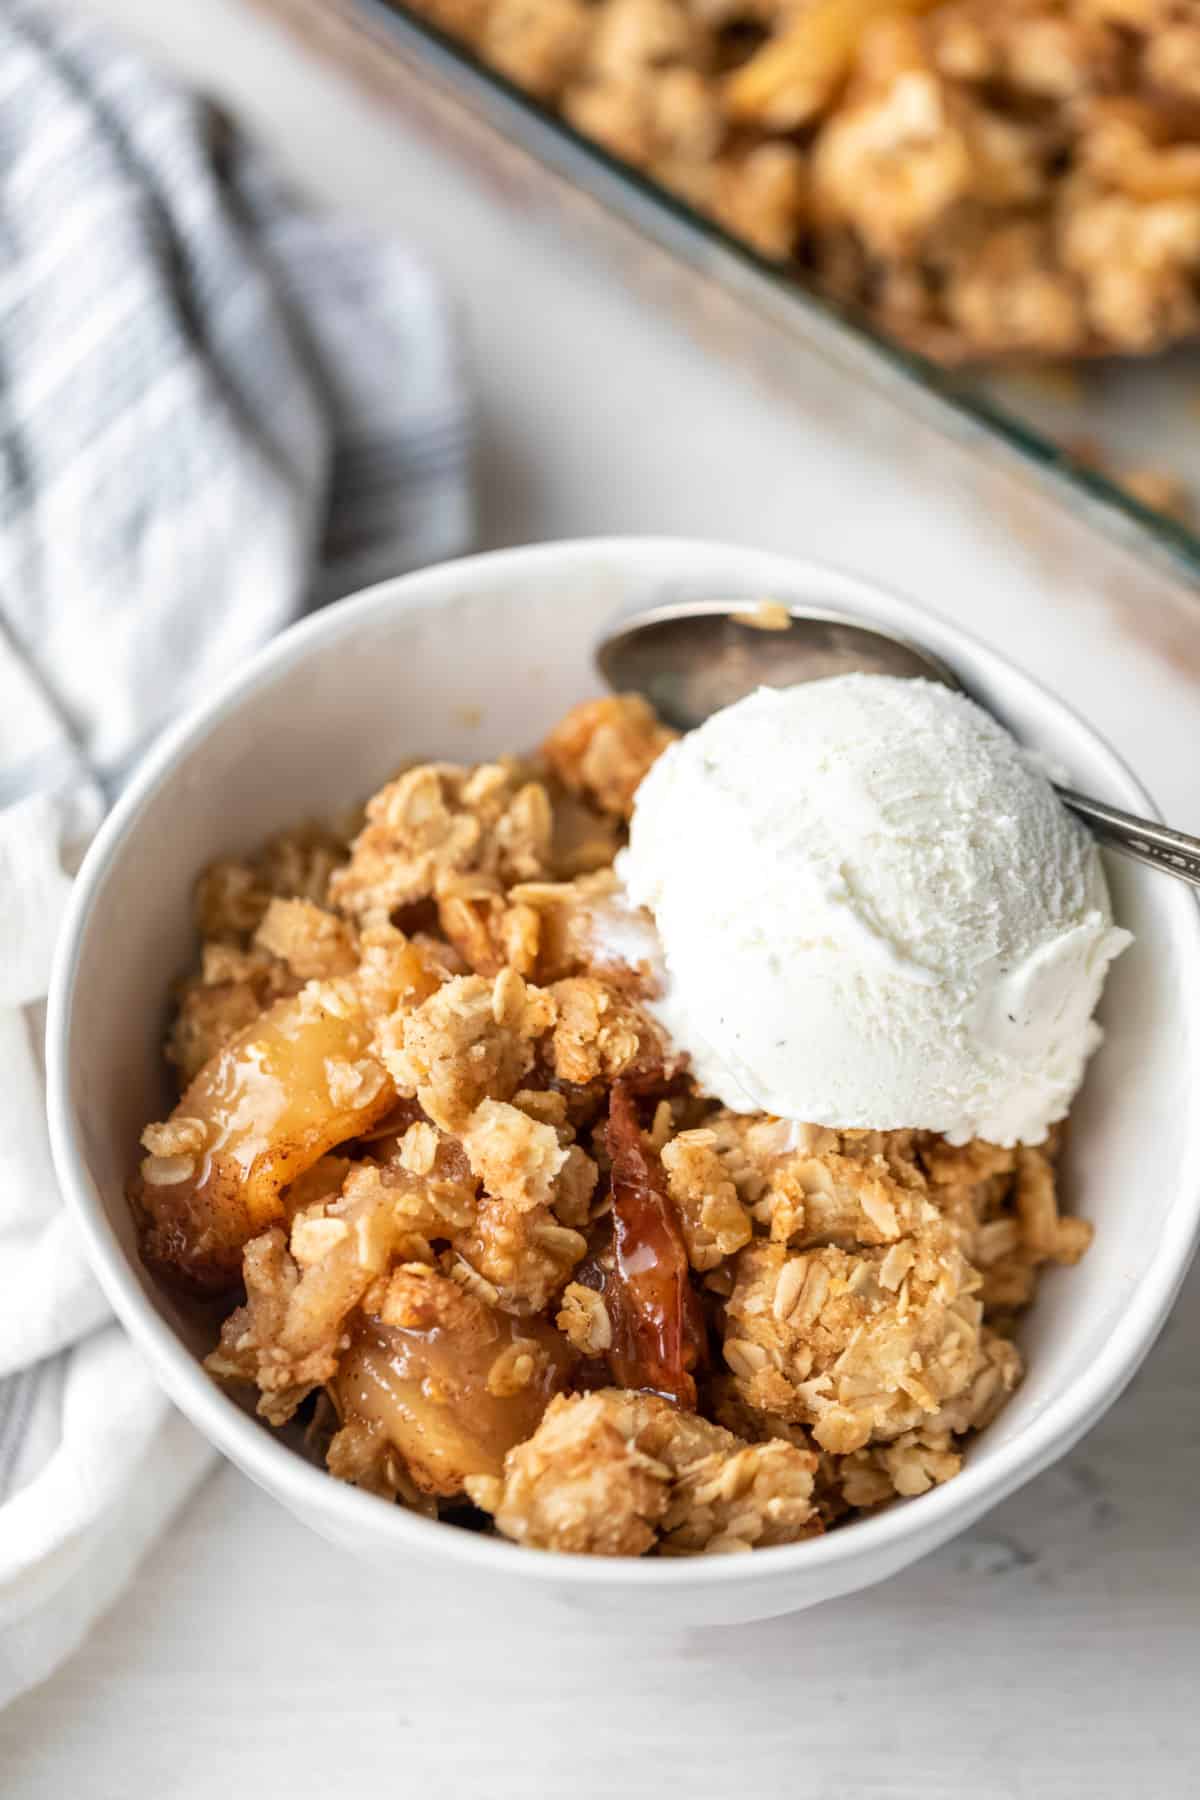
(480, 656)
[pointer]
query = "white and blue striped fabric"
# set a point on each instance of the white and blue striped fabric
(217, 410)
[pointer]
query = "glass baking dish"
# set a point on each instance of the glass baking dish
(1001, 437)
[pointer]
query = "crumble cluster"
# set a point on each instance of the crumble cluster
(985, 178)
(465, 1211)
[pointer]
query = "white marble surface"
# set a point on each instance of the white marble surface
(1053, 1652)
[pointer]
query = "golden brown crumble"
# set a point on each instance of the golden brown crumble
(615, 1473)
(599, 1036)
(232, 896)
(584, 1321)
(525, 1255)
(986, 180)
(578, 1484)
(516, 1157)
(603, 748)
(436, 824)
(713, 1219)
(857, 1346)
(455, 1190)
(472, 1040)
(310, 942)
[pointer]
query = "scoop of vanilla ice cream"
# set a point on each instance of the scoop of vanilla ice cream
(874, 911)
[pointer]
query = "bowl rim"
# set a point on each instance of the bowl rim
(306, 1488)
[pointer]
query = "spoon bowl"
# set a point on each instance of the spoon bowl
(692, 658)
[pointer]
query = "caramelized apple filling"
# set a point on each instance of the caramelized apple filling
(658, 1327)
(262, 1111)
(452, 1389)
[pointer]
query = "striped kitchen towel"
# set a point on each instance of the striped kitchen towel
(216, 411)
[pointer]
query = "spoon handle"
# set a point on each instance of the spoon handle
(1174, 852)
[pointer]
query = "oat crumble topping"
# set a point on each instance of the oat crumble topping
(468, 1216)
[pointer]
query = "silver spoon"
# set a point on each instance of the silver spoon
(690, 658)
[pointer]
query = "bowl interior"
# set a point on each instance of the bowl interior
(481, 657)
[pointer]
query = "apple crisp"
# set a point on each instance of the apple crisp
(468, 1220)
(984, 179)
